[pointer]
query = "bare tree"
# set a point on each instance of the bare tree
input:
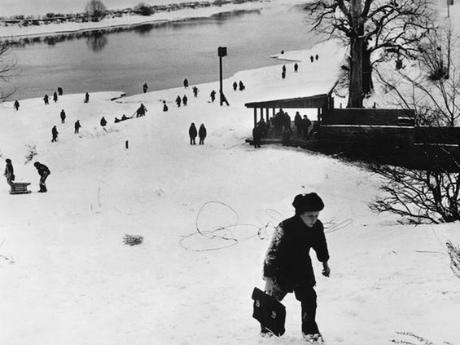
(454, 255)
(7, 68)
(95, 8)
(426, 195)
(432, 86)
(375, 30)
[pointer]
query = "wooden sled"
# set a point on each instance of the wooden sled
(19, 188)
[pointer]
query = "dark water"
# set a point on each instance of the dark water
(161, 55)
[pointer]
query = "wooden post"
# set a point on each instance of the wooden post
(267, 114)
(255, 117)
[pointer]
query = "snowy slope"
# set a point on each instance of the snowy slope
(67, 278)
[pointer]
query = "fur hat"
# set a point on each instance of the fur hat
(307, 203)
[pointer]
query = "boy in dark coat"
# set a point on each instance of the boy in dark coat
(202, 133)
(192, 133)
(77, 126)
(9, 172)
(54, 133)
(62, 116)
(287, 265)
(43, 171)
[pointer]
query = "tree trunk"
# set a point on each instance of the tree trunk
(368, 85)
(355, 88)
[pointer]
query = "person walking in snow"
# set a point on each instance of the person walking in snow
(46, 99)
(235, 86)
(213, 95)
(62, 116)
(256, 136)
(103, 122)
(77, 126)
(241, 86)
(9, 172)
(185, 83)
(44, 172)
(184, 100)
(287, 265)
(54, 134)
(165, 106)
(145, 87)
(141, 110)
(16, 105)
(316, 57)
(86, 97)
(296, 67)
(55, 97)
(178, 101)
(311, 58)
(60, 91)
(192, 133)
(195, 91)
(202, 133)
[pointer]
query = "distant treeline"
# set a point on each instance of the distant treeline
(82, 17)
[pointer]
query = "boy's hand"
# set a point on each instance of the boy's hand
(326, 270)
(269, 286)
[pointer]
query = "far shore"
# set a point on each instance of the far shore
(14, 32)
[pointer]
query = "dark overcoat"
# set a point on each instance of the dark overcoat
(288, 259)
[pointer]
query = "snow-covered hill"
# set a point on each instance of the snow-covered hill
(66, 277)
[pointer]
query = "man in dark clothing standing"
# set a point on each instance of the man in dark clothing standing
(46, 99)
(9, 171)
(145, 87)
(178, 101)
(256, 136)
(16, 105)
(202, 133)
(185, 83)
(213, 95)
(86, 97)
(77, 126)
(184, 100)
(62, 116)
(195, 91)
(298, 123)
(235, 86)
(55, 96)
(60, 91)
(43, 171)
(54, 133)
(192, 133)
(288, 266)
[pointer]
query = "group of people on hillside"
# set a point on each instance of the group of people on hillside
(239, 86)
(42, 169)
(281, 124)
(193, 133)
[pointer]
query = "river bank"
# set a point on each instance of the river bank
(14, 32)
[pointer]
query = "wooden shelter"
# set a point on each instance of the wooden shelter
(322, 102)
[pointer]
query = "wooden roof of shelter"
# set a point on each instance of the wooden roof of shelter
(316, 101)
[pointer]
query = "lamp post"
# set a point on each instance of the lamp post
(221, 52)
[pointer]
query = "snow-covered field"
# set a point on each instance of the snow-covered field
(66, 277)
